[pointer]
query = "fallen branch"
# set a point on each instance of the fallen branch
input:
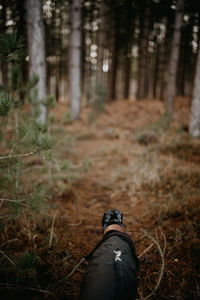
(146, 250)
(8, 242)
(7, 285)
(73, 271)
(12, 200)
(8, 258)
(162, 253)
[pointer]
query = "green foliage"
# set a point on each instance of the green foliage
(38, 137)
(37, 199)
(11, 47)
(49, 102)
(163, 123)
(67, 166)
(28, 261)
(6, 103)
(67, 118)
(86, 163)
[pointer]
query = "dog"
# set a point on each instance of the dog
(112, 264)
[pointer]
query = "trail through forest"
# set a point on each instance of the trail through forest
(147, 169)
(134, 160)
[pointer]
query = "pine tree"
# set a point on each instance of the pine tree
(28, 138)
(75, 60)
(174, 56)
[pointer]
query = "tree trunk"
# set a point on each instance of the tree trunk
(143, 52)
(102, 45)
(114, 59)
(21, 30)
(130, 26)
(37, 58)
(127, 77)
(4, 65)
(194, 126)
(174, 56)
(156, 70)
(75, 60)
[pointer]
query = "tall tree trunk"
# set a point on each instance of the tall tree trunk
(165, 53)
(130, 22)
(174, 56)
(143, 52)
(194, 126)
(75, 59)
(114, 59)
(83, 50)
(37, 58)
(156, 70)
(21, 31)
(127, 76)
(4, 66)
(102, 45)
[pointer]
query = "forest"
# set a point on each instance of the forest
(99, 110)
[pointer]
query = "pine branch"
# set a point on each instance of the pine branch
(18, 155)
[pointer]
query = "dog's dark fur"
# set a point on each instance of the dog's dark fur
(112, 265)
(112, 216)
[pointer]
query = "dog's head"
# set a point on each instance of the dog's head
(112, 216)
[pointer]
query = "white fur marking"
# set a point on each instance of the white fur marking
(117, 255)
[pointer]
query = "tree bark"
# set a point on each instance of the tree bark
(143, 52)
(4, 66)
(174, 56)
(102, 45)
(194, 126)
(114, 59)
(130, 24)
(75, 60)
(37, 58)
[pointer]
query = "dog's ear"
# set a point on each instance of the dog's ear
(103, 219)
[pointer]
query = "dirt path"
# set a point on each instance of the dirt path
(129, 169)
(132, 158)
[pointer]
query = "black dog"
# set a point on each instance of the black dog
(112, 265)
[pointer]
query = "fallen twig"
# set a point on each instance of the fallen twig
(8, 258)
(12, 200)
(7, 285)
(8, 242)
(146, 250)
(51, 233)
(73, 271)
(162, 253)
(75, 224)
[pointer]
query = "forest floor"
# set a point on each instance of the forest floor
(130, 157)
